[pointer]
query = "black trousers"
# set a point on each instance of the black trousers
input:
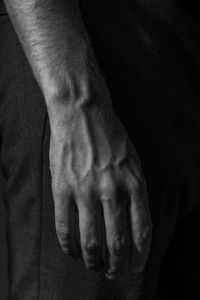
(155, 93)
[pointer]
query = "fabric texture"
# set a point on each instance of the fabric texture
(149, 55)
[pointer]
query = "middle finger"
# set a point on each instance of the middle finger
(89, 226)
(116, 236)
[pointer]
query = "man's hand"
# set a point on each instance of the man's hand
(96, 174)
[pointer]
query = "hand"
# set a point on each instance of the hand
(94, 167)
(97, 177)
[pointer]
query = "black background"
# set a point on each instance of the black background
(3, 247)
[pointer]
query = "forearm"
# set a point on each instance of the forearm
(91, 158)
(56, 45)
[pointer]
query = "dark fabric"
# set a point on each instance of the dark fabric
(2, 7)
(149, 55)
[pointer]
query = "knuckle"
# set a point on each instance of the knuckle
(118, 246)
(85, 188)
(65, 241)
(84, 195)
(91, 246)
(137, 183)
(106, 180)
(64, 236)
(85, 202)
(108, 190)
(143, 236)
(60, 189)
(137, 188)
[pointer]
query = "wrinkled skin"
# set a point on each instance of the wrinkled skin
(99, 190)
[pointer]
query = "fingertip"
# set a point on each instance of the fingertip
(113, 274)
(138, 269)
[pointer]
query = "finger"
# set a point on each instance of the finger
(89, 226)
(140, 222)
(65, 223)
(116, 237)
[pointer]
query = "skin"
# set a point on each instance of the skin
(99, 190)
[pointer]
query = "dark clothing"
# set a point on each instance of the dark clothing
(149, 53)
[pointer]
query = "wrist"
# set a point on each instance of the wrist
(65, 75)
(69, 92)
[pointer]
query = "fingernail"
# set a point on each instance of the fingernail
(111, 276)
